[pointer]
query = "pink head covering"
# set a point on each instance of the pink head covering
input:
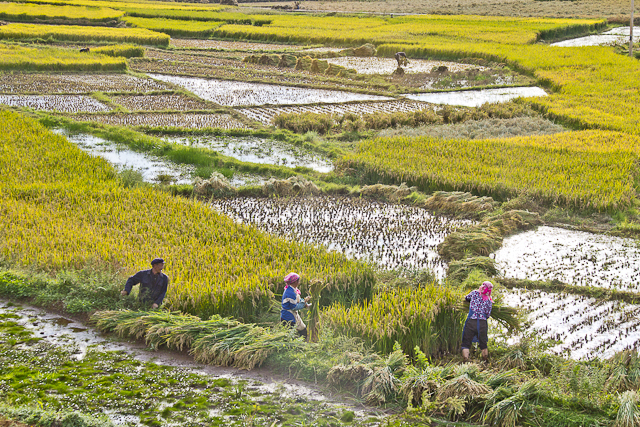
(485, 291)
(291, 279)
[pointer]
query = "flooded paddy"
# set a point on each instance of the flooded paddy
(61, 103)
(615, 36)
(64, 364)
(475, 98)
(391, 236)
(265, 115)
(258, 150)
(236, 93)
(584, 327)
(186, 120)
(161, 103)
(153, 169)
(13, 83)
(374, 65)
(573, 257)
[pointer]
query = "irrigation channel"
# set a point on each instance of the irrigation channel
(615, 36)
(152, 168)
(393, 237)
(228, 397)
(258, 150)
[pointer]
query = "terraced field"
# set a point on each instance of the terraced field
(62, 103)
(186, 120)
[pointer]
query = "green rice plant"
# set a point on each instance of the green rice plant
(428, 317)
(628, 413)
(125, 50)
(83, 34)
(315, 290)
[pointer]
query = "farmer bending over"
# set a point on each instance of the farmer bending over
(291, 304)
(153, 284)
(480, 305)
(401, 57)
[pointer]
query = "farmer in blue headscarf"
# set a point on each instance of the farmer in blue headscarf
(292, 304)
(476, 328)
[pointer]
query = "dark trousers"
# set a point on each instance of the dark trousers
(292, 324)
(471, 331)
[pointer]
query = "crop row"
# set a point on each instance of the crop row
(21, 58)
(186, 120)
(175, 27)
(83, 34)
(62, 103)
(265, 115)
(84, 216)
(198, 15)
(29, 12)
(408, 29)
(76, 83)
(229, 45)
(160, 102)
(588, 169)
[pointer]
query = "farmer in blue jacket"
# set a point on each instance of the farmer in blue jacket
(153, 284)
(292, 304)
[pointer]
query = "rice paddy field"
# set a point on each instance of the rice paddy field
(241, 144)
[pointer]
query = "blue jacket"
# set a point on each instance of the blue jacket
(153, 288)
(289, 298)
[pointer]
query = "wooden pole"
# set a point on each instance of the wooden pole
(631, 33)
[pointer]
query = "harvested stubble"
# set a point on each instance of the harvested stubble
(84, 34)
(76, 83)
(218, 340)
(84, 216)
(252, 73)
(62, 103)
(26, 12)
(166, 120)
(22, 58)
(588, 169)
(428, 317)
(393, 236)
(266, 115)
(161, 103)
(231, 45)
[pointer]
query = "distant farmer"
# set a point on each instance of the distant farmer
(401, 57)
(153, 284)
(292, 304)
(476, 328)
(85, 49)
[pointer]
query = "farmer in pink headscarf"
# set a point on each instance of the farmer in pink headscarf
(292, 303)
(476, 328)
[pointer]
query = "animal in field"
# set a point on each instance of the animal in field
(85, 49)
(401, 57)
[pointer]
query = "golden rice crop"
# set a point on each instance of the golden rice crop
(197, 15)
(83, 33)
(429, 317)
(594, 169)
(123, 50)
(175, 27)
(410, 29)
(22, 58)
(26, 12)
(121, 5)
(83, 217)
